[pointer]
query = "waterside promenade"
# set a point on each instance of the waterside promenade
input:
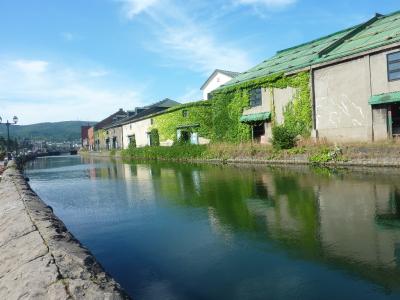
(40, 258)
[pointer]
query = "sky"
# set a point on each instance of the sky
(83, 60)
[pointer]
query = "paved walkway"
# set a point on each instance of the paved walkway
(39, 258)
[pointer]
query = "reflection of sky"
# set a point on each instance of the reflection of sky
(193, 232)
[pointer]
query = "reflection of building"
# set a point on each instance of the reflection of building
(334, 221)
(139, 184)
(347, 222)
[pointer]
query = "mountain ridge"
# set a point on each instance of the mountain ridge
(48, 131)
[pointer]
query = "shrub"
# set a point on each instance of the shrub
(132, 143)
(176, 152)
(154, 137)
(283, 137)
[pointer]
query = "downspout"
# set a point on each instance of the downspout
(370, 94)
(312, 92)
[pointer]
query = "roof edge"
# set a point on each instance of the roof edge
(213, 73)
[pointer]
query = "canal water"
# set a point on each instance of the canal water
(180, 231)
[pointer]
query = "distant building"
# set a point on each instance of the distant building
(84, 137)
(216, 79)
(136, 127)
(101, 134)
(91, 138)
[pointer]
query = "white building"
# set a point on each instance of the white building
(217, 78)
(135, 129)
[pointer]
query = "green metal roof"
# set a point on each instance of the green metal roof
(384, 98)
(253, 118)
(376, 32)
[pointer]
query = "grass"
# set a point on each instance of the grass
(306, 150)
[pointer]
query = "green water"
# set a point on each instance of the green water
(173, 231)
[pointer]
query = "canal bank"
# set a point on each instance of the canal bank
(362, 155)
(40, 258)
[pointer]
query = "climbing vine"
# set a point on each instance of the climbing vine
(298, 112)
(195, 113)
(228, 104)
(227, 109)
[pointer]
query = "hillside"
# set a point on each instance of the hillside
(57, 131)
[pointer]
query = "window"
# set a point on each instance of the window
(393, 60)
(255, 97)
(151, 121)
(185, 113)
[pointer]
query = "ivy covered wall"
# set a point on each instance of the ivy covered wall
(184, 115)
(229, 103)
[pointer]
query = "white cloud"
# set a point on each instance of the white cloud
(267, 3)
(190, 42)
(58, 92)
(131, 8)
(31, 66)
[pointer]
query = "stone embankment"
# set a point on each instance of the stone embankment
(40, 258)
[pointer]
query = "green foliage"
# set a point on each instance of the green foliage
(298, 113)
(14, 145)
(228, 105)
(113, 152)
(197, 113)
(176, 152)
(322, 156)
(227, 109)
(154, 138)
(325, 155)
(132, 143)
(283, 137)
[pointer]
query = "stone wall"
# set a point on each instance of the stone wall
(40, 258)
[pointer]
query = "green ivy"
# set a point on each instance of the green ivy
(227, 109)
(195, 113)
(298, 113)
(228, 105)
(154, 137)
(132, 142)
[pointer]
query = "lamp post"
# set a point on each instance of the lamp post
(15, 121)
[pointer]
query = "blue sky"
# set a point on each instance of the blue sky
(82, 60)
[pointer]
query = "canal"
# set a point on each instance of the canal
(182, 231)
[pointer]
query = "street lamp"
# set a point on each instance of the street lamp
(15, 121)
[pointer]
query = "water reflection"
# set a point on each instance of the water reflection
(347, 221)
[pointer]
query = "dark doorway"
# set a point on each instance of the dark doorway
(395, 112)
(185, 136)
(258, 132)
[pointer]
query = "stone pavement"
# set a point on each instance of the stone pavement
(39, 257)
